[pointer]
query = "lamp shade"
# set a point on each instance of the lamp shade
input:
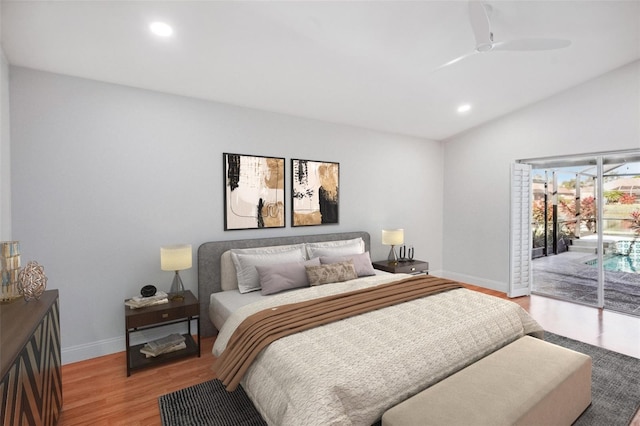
(392, 237)
(175, 257)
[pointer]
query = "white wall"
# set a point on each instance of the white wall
(5, 152)
(601, 115)
(103, 175)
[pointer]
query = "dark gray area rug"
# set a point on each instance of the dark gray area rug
(208, 404)
(615, 392)
(615, 384)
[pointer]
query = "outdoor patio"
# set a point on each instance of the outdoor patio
(568, 276)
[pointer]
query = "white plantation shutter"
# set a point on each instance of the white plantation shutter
(520, 244)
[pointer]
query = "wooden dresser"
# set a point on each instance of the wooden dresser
(30, 375)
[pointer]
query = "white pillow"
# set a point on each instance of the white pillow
(228, 275)
(246, 260)
(335, 248)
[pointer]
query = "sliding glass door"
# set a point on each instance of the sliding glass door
(621, 230)
(564, 227)
(585, 228)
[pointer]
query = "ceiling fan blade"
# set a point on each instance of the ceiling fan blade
(453, 61)
(530, 44)
(481, 24)
(479, 18)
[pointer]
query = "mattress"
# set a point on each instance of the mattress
(224, 303)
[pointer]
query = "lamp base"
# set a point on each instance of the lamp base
(177, 288)
(393, 258)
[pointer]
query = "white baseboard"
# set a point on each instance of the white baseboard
(117, 344)
(481, 282)
(92, 350)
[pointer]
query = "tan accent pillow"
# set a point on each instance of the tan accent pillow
(332, 273)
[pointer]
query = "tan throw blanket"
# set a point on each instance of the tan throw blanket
(263, 328)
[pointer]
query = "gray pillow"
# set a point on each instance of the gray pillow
(332, 273)
(284, 276)
(362, 263)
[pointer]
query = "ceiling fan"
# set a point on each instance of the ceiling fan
(479, 16)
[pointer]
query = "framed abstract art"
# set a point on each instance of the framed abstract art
(253, 192)
(314, 192)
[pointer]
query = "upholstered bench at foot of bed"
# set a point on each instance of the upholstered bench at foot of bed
(528, 382)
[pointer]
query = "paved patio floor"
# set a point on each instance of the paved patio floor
(567, 276)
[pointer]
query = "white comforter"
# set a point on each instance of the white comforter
(351, 371)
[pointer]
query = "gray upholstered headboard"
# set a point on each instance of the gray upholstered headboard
(209, 264)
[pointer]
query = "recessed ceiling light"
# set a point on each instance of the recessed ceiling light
(464, 108)
(161, 29)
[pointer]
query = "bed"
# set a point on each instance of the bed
(348, 372)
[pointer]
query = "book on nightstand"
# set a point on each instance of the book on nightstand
(141, 302)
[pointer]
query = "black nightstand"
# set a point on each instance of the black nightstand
(413, 267)
(175, 311)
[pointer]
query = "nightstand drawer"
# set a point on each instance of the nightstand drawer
(156, 315)
(148, 318)
(411, 267)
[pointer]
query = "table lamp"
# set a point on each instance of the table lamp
(392, 237)
(176, 258)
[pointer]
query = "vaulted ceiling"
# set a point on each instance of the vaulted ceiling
(369, 64)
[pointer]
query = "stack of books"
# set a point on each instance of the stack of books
(171, 343)
(140, 302)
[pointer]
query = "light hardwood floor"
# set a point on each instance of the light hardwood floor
(98, 391)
